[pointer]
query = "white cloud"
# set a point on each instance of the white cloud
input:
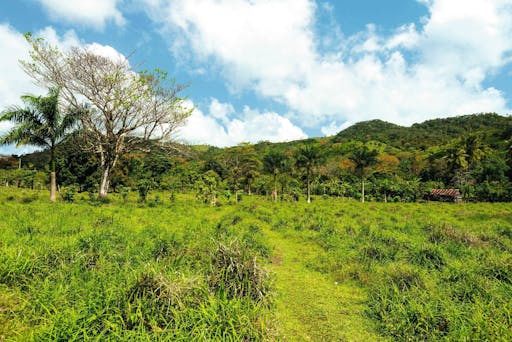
(334, 128)
(272, 48)
(252, 39)
(250, 125)
(95, 13)
(221, 111)
(107, 52)
(13, 82)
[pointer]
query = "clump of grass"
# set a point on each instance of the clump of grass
(429, 256)
(498, 268)
(465, 285)
(154, 300)
(404, 277)
(444, 233)
(236, 273)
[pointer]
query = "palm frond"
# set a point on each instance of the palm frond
(41, 123)
(17, 114)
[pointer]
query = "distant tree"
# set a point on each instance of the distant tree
(40, 123)
(274, 162)
(387, 164)
(474, 149)
(364, 160)
(123, 109)
(241, 164)
(308, 157)
(251, 165)
(208, 187)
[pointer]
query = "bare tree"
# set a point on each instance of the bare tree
(121, 109)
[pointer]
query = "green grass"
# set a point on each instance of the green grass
(332, 270)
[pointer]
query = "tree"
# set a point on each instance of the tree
(242, 165)
(274, 162)
(364, 160)
(123, 109)
(41, 123)
(474, 149)
(308, 157)
(208, 187)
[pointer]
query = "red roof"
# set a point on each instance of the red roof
(446, 192)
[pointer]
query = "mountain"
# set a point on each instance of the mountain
(491, 126)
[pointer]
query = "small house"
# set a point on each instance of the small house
(445, 195)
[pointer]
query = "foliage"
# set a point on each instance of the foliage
(124, 109)
(478, 163)
(41, 123)
(144, 186)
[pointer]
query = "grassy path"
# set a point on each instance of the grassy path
(310, 306)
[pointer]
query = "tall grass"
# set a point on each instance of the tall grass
(126, 271)
(182, 271)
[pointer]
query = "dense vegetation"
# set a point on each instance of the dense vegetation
(472, 153)
(173, 268)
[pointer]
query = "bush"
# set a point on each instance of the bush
(154, 300)
(68, 194)
(235, 272)
(144, 186)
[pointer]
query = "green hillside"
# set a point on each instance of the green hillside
(430, 133)
(472, 153)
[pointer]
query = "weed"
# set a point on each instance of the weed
(237, 274)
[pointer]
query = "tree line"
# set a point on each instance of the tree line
(368, 170)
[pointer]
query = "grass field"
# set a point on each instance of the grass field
(332, 270)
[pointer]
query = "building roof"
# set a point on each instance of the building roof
(446, 192)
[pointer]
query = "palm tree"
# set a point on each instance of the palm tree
(474, 149)
(274, 162)
(308, 158)
(40, 123)
(365, 159)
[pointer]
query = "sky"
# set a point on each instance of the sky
(281, 70)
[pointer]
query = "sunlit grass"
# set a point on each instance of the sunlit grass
(181, 270)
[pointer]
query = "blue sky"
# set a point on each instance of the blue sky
(286, 69)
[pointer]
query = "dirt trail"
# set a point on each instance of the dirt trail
(310, 306)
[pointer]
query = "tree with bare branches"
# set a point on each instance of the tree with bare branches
(121, 109)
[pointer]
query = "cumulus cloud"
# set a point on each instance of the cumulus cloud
(222, 126)
(334, 128)
(93, 13)
(272, 49)
(13, 82)
(220, 110)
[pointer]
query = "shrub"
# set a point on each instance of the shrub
(236, 273)
(68, 194)
(144, 186)
(430, 257)
(154, 300)
(123, 191)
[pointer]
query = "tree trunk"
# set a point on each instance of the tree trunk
(53, 186)
(309, 188)
(53, 175)
(362, 191)
(105, 181)
(274, 192)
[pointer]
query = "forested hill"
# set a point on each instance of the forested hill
(472, 153)
(491, 126)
